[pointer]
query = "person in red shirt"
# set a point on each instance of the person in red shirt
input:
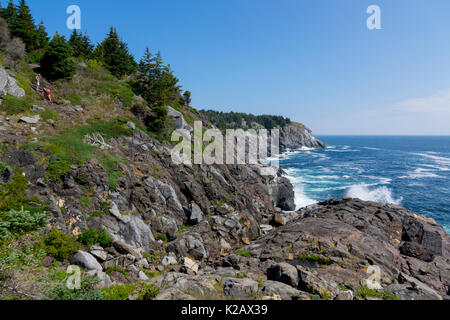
(48, 94)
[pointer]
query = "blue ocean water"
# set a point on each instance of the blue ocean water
(413, 172)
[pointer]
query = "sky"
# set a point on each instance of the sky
(314, 61)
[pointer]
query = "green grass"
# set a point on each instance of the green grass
(69, 149)
(122, 292)
(12, 105)
(366, 292)
(49, 114)
(315, 259)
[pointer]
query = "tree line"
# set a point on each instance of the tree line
(236, 120)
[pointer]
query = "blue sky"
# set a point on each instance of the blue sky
(314, 61)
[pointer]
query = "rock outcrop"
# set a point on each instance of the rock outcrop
(296, 136)
(8, 84)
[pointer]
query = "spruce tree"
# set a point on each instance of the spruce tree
(25, 28)
(42, 36)
(158, 86)
(57, 62)
(81, 45)
(10, 14)
(114, 54)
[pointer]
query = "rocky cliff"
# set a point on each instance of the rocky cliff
(296, 136)
(194, 231)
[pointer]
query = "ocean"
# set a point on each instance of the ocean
(413, 172)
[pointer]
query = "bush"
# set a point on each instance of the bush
(20, 222)
(13, 194)
(61, 245)
(91, 237)
(86, 292)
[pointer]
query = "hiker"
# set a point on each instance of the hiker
(38, 82)
(48, 94)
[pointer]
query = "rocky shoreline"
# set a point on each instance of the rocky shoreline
(218, 231)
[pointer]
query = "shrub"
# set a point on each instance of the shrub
(13, 194)
(61, 245)
(20, 222)
(91, 237)
(86, 292)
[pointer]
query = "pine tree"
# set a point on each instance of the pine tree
(81, 45)
(158, 86)
(115, 55)
(10, 14)
(25, 28)
(42, 36)
(57, 62)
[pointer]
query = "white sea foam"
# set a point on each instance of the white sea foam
(381, 194)
(421, 173)
(301, 199)
(437, 159)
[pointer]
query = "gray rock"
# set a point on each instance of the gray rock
(31, 120)
(345, 295)
(86, 260)
(283, 272)
(177, 119)
(105, 280)
(8, 85)
(196, 213)
(286, 292)
(168, 261)
(239, 288)
(37, 108)
(99, 253)
(131, 125)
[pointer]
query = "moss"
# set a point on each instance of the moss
(161, 237)
(245, 253)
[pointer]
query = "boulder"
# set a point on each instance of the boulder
(31, 120)
(86, 260)
(239, 288)
(417, 251)
(283, 272)
(196, 213)
(8, 84)
(275, 288)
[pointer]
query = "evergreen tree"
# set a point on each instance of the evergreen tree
(25, 28)
(187, 98)
(81, 45)
(157, 85)
(115, 55)
(57, 62)
(10, 14)
(42, 35)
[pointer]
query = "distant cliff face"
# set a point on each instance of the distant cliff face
(296, 136)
